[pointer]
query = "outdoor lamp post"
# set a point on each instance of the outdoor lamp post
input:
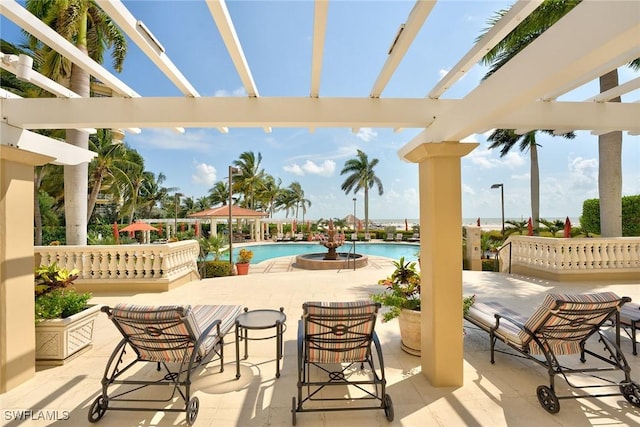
(232, 171)
(501, 187)
(175, 218)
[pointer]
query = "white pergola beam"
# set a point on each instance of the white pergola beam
(65, 154)
(404, 38)
(208, 112)
(352, 113)
(221, 16)
(320, 13)
(620, 90)
(582, 78)
(145, 40)
(517, 83)
(21, 17)
(516, 14)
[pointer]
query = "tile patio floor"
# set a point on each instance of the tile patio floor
(493, 395)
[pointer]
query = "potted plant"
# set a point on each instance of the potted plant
(64, 319)
(401, 297)
(244, 258)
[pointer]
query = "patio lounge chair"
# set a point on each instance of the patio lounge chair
(389, 237)
(561, 326)
(180, 338)
(335, 359)
(399, 237)
(414, 238)
(630, 321)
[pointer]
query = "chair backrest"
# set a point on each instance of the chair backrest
(157, 333)
(563, 321)
(338, 332)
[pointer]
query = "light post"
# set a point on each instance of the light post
(501, 187)
(232, 171)
(175, 218)
(355, 231)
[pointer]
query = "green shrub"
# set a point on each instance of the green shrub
(489, 265)
(590, 219)
(60, 303)
(215, 269)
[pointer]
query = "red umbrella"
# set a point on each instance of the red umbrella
(139, 226)
(478, 222)
(197, 228)
(406, 225)
(567, 227)
(529, 227)
(159, 228)
(116, 233)
(294, 226)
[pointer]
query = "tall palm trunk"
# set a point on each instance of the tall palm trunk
(76, 178)
(535, 185)
(610, 171)
(93, 197)
(366, 209)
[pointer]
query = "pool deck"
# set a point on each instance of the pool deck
(497, 395)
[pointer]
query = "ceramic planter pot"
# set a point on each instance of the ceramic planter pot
(60, 340)
(243, 268)
(410, 331)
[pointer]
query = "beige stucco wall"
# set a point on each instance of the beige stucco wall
(17, 330)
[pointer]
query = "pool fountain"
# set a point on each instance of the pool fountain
(332, 259)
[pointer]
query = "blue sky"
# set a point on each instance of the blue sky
(276, 37)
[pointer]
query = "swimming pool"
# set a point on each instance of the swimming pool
(274, 250)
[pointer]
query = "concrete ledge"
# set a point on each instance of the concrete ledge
(578, 276)
(134, 285)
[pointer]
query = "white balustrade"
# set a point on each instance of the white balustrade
(124, 262)
(558, 255)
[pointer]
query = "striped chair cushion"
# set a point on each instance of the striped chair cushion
(563, 321)
(168, 333)
(338, 332)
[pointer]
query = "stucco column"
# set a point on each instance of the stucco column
(441, 259)
(17, 327)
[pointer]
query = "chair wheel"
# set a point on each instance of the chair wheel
(631, 392)
(548, 399)
(293, 411)
(97, 410)
(388, 407)
(192, 410)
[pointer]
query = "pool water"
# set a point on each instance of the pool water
(390, 250)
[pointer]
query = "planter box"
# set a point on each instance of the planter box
(61, 340)
(410, 331)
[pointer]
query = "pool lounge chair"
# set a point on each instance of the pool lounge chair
(630, 321)
(414, 238)
(389, 237)
(561, 327)
(399, 237)
(178, 338)
(336, 362)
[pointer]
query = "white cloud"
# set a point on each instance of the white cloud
(326, 168)
(236, 92)
(366, 134)
(204, 175)
(584, 173)
(467, 189)
(293, 168)
(442, 73)
(166, 139)
(489, 159)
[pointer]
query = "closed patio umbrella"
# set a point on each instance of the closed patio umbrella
(567, 227)
(116, 233)
(529, 227)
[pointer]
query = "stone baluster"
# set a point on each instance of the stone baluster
(582, 256)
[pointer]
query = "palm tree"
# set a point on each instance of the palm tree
(83, 23)
(362, 177)
(112, 166)
(297, 194)
(506, 139)
(268, 193)
(219, 193)
(610, 144)
(250, 176)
